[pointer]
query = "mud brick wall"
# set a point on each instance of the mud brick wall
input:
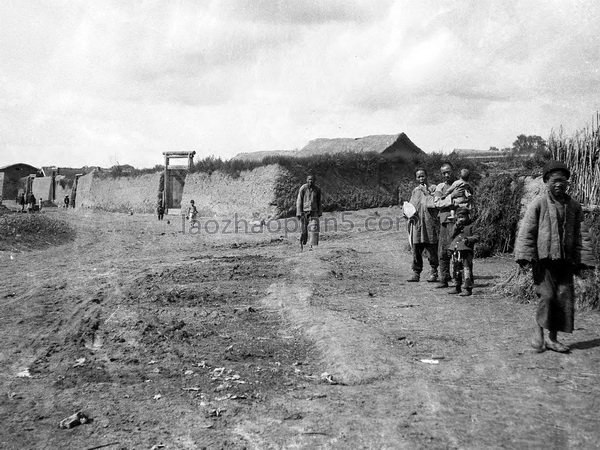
(42, 188)
(61, 191)
(251, 195)
(121, 194)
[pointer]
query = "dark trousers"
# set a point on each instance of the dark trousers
(432, 256)
(312, 219)
(444, 256)
(462, 268)
(553, 281)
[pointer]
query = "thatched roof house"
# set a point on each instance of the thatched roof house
(392, 146)
(387, 145)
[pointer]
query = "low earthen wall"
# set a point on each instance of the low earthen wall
(251, 195)
(42, 188)
(120, 194)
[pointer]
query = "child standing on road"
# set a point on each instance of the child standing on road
(160, 209)
(192, 213)
(550, 242)
(461, 250)
(21, 200)
(423, 228)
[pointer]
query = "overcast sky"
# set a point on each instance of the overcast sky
(101, 82)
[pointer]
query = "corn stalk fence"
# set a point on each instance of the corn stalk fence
(581, 153)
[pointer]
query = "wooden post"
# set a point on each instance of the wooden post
(166, 183)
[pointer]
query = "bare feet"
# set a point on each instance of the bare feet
(537, 340)
(553, 344)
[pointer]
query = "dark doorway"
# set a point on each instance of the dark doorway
(175, 183)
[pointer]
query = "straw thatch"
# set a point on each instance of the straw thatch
(392, 145)
(395, 144)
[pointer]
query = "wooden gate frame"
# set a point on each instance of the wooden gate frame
(175, 155)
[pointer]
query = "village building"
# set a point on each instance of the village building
(389, 146)
(12, 178)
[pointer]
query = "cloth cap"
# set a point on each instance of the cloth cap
(553, 166)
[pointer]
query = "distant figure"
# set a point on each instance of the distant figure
(308, 209)
(550, 243)
(40, 203)
(423, 228)
(160, 209)
(21, 200)
(192, 212)
(66, 201)
(31, 202)
(461, 251)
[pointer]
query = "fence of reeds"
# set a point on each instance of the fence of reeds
(581, 153)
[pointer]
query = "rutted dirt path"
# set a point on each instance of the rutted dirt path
(240, 341)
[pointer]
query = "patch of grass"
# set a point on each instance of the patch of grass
(20, 231)
(592, 223)
(518, 284)
(587, 290)
(231, 167)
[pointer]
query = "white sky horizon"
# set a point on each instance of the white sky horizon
(100, 83)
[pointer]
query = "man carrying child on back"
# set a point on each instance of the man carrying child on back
(443, 201)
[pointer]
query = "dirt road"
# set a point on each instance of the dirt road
(238, 340)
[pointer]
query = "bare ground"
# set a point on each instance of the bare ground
(238, 340)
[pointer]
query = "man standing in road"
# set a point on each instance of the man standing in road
(308, 211)
(424, 225)
(444, 204)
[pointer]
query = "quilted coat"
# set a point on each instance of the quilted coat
(539, 235)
